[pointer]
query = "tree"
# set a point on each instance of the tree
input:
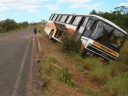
(122, 9)
(93, 12)
(8, 24)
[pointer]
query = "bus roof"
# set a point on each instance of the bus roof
(101, 18)
(114, 25)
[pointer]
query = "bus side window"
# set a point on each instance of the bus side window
(58, 18)
(52, 16)
(82, 26)
(90, 27)
(63, 19)
(77, 20)
(69, 19)
(55, 16)
(72, 20)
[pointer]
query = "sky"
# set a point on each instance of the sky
(37, 10)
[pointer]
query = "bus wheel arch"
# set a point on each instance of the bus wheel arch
(83, 53)
(50, 34)
(86, 53)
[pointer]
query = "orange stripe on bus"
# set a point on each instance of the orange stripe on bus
(105, 49)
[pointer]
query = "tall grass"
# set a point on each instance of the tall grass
(117, 86)
(112, 77)
(65, 76)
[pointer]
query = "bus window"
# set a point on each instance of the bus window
(90, 26)
(77, 20)
(54, 18)
(102, 31)
(51, 17)
(63, 19)
(82, 26)
(84, 22)
(58, 18)
(108, 35)
(69, 19)
(117, 37)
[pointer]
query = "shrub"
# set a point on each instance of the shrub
(70, 43)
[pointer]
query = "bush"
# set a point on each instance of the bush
(70, 43)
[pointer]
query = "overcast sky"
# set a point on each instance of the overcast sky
(37, 10)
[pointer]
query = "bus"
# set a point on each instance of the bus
(98, 35)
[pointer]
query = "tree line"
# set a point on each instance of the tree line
(118, 16)
(10, 24)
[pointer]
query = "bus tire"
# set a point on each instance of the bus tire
(84, 53)
(50, 35)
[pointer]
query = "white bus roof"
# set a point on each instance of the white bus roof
(101, 18)
(114, 25)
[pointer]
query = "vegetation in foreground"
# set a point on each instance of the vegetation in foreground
(67, 74)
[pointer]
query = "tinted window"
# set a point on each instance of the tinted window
(54, 18)
(90, 26)
(84, 22)
(58, 18)
(108, 35)
(63, 19)
(51, 17)
(77, 20)
(69, 19)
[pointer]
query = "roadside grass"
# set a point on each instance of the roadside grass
(14, 31)
(81, 76)
(112, 77)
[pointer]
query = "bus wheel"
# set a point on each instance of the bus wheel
(84, 53)
(50, 35)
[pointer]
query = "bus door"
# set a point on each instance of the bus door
(89, 27)
(61, 28)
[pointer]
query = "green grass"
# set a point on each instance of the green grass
(112, 77)
(14, 31)
(91, 92)
(66, 77)
(117, 86)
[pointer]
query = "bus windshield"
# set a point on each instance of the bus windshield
(108, 35)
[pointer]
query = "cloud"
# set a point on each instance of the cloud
(81, 4)
(95, 6)
(52, 6)
(73, 1)
(27, 5)
(123, 4)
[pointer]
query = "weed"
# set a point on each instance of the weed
(65, 76)
(91, 92)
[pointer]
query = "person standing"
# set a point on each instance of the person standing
(35, 30)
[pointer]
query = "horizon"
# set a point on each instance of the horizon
(37, 10)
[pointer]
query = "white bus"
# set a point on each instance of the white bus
(98, 35)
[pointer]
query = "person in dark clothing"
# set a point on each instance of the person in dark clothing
(35, 30)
